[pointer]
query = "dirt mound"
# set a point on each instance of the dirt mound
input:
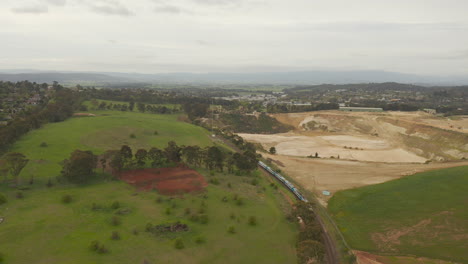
(168, 181)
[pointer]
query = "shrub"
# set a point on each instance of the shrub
(102, 250)
(115, 235)
(200, 240)
(252, 221)
(204, 219)
(214, 181)
(229, 185)
(168, 211)
(115, 205)
(231, 230)
(135, 231)
(49, 183)
(159, 200)
(116, 221)
(225, 199)
(148, 227)
(94, 246)
(239, 202)
(254, 182)
(132, 135)
(66, 199)
(156, 133)
(194, 218)
(179, 244)
(187, 211)
(19, 195)
(3, 199)
(43, 145)
(232, 216)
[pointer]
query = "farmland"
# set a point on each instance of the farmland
(41, 226)
(422, 215)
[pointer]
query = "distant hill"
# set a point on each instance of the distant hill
(253, 78)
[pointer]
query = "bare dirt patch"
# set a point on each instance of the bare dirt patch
(168, 181)
(83, 114)
(368, 258)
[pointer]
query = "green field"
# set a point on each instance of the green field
(421, 215)
(40, 228)
(108, 130)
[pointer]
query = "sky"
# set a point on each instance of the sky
(428, 37)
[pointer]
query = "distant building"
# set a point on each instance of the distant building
(361, 109)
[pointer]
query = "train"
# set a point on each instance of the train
(289, 185)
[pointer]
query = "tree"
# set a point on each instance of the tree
(141, 107)
(15, 162)
(214, 158)
(273, 150)
(117, 162)
(192, 155)
(310, 250)
(157, 157)
(126, 154)
(195, 110)
(131, 105)
(80, 167)
(173, 152)
(141, 156)
(316, 154)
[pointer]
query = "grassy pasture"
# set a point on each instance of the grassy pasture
(40, 228)
(53, 232)
(421, 215)
(108, 130)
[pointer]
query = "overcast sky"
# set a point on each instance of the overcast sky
(151, 36)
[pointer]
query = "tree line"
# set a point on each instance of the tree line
(81, 165)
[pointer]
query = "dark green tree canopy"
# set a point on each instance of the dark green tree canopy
(80, 167)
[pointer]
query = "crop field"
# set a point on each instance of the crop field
(422, 215)
(43, 226)
(105, 131)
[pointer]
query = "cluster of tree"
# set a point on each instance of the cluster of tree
(310, 247)
(195, 110)
(63, 104)
(263, 124)
(141, 107)
(212, 158)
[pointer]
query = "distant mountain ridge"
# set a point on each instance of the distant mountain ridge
(253, 78)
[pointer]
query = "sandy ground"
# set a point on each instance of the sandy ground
(318, 175)
(342, 146)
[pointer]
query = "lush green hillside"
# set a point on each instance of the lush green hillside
(41, 228)
(107, 130)
(423, 215)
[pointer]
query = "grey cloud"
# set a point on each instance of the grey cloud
(169, 9)
(38, 9)
(57, 2)
(110, 7)
(218, 2)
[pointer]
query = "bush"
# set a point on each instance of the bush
(19, 195)
(149, 227)
(200, 240)
(239, 202)
(94, 246)
(49, 183)
(229, 185)
(43, 145)
(116, 221)
(168, 211)
(102, 250)
(187, 211)
(115, 235)
(115, 205)
(214, 181)
(135, 231)
(204, 219)
(159, 200)
(179, 244)
(252, 221)
(231, 230)
(156, 133)
(132, 135)
(254, 182)
(232, 216)
(194, 218)
(3, 199)
(66, 199)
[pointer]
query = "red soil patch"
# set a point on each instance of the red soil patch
(167, 181)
